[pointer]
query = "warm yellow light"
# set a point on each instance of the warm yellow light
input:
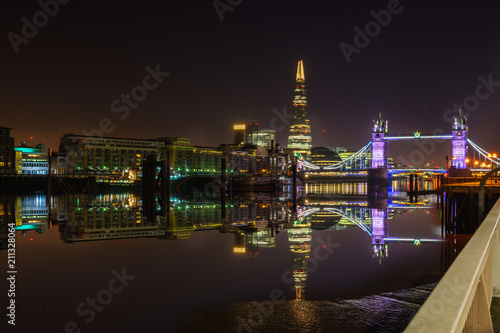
(476, 162)
(239, 127)
(467, 160)
(489, 155)
(239, 250)
(454, 158)
(300, 72)
(494, 155)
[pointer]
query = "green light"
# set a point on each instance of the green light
(27, 227)
(26, 149)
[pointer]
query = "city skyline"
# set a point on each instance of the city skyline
(67, 79)
(243, 166)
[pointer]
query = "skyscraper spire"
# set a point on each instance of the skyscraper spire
(300, 72)
(299, 138)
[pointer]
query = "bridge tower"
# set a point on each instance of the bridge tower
(460, 131)
(379, 143)
(379, 232)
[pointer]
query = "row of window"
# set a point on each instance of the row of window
(35, 165)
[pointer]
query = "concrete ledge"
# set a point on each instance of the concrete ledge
(468, 282)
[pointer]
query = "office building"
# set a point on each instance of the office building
(252, 129)
(180, 152)
(239, 134)
(34, 160)
(7, 155)
(105, 155)
(364, 162)
(188, 159)
(265, 138)
(322, 156)
(299, 138)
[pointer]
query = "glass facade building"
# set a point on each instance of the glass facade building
(34, 160)
(322, 156)
(265, 138)
(299, 138)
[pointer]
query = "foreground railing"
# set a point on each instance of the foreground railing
(461, 300)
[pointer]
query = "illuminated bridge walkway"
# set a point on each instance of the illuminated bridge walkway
(374, 154)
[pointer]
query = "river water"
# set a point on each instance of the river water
(337, 264)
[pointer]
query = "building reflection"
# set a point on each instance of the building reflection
(299, 240)
(254, 223)
(7, 215)
(107, 216)
(28, 213)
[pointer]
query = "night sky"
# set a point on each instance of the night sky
(430, 55)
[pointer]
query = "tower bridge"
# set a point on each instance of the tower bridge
(466, 155)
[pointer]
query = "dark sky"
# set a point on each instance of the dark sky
(221, 72)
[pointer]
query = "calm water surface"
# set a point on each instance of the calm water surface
(336, 265)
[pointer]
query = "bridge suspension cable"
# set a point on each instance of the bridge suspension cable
(308, 212)
(360, 223)
(484, 153)
(342, 164)
(352, 218)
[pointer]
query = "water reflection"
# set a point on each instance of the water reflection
(253, 222)
(236, 253)
(28, 213)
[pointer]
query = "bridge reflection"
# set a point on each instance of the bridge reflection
(253, 222)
